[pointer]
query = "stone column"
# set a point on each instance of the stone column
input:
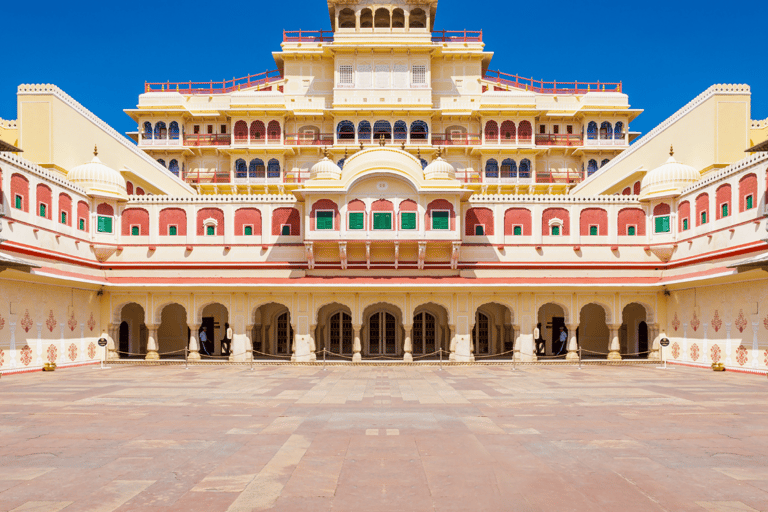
(293, 341)
(356, 344)
(573, 344)
(312, 343)
(194, 343)
(249, 334)
(614, 347)
(516, 342)
(152, 354)
(408, 344)
(113, 341)
(653, 339)
(452, 343)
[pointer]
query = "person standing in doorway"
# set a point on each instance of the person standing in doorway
(204, 340)
(563, 340)
(226, 343)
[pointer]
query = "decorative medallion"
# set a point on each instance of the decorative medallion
(26, 322)
(695, 352)
(72, 323)
(675, 322)
(715, 353)
(382, 185)
(72, 352)
(695, 323)
(741, 322)
(26, 355)
(716, 322)
(742, 356)
(675, 350)
(2, 322)
(50, 323)
(53, 353)
(91, 322)
(92, 350)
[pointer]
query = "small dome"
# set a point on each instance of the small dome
(325, 169)
(99, 180)
(439, 169)
(668, 180)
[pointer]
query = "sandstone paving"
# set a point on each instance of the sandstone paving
(387, 438)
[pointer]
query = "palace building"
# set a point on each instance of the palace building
(383, 195)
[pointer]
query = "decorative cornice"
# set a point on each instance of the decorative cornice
(734, 168)
(41, 172)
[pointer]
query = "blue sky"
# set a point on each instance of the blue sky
(664, 52)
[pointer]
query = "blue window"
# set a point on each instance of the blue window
(605, 161)
(592, 130)
(508, 168)
(491, 169)
(401, 130)
(173, 130)
(273, 169)
(525, 168)
(161, 132)
(606, 130)
(380, 128)
(591, 167)
(423, 164)
(345, 130)
(364, 131)
(147, 130)
(618, 131)
(419, 130)
(173, 166)
(256, 168)
(340, 163)
(161, 161)
(240, 168)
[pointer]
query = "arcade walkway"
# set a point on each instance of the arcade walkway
(481, 438)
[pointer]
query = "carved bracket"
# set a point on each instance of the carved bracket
(343, 255)
(422, 254)
(455, 252)
(310, 254)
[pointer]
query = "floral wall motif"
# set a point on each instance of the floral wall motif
(2, 358)
(53, 353)
(715, 353)
(92, 350)
(695, 322)
(742, 355)
(765, 358)
(25, 356)
(765, 322)
(72, 323)
(26, 321)
(51, 322)
(676, 350)
(91, 323)
(716, 322)
(2, 322)
(741, 322)
(695, 352)
(676, 322)
(72, 352)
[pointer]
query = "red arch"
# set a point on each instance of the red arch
(65, 205)
(747, 187)
(247, 217)
(210, 213)
(44, 196)
(20, 187)
(518, 217)
(702, 205)
(631, 217)
(508, 130)
(241, 130)
(661, 209)
(323, 204)
(556, 213)
(593, 216)
(173, 217)
(132, 217)
(105, 209)
(491, 130)
(477, 216)
(289, 216)
(439, 204)
(684, 212)
(83, 212)
(722, 195)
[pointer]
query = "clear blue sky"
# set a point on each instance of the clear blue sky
(665, 52)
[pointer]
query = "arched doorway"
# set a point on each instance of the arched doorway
(430, 331)
(272, 331)
(124, 345)
(382, 334)
(173, 331)
(214, 319)
(593, 334)
(551, 317)
(492, 333)
(633, 337)
(334, 331)
(642, 339)
(133, 333)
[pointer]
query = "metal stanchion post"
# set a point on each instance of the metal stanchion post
(251, 359)
(323, 358)
(579, 356)
(186, 358)
(514, 362)
(441, 358)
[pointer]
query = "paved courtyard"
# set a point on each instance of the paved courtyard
(383, 439)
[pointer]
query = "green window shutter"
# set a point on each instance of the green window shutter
(248, 231)
(517, 231)
(479, 230)
(134, 230)
(104, 224)
(286, 230)
(440, 220)
(662, 224)
(703, 217)
(19, 202)
(324, 220)
(592, 230)
(749, 202)
(82, 224)
(210, 230)
(555, 230)
(63, 217)
(724, 209)
(42, 210)
(172, 231)
(408, 220)
(382, 220)
(356, 220)
(685, 224)
(631, 231)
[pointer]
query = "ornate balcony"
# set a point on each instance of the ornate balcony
(556, 139)
(220, 139)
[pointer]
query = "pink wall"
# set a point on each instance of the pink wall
(631, 217)
(661, 209)
(518, 217)
(439, 204)
(722, 195)
(83, 212)
(324, 204)
(105, 209)
(288, 216)
(702, 205)
(747, 186)
(210, 213)
(43, 194)
(684, 212)
(478, 216)
(20, 186)
(173, 217)
(591, 217)
(559, 213)
(65, 205)
(247, 217)
(133, 217)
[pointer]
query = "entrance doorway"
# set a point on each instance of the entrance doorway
(210, 325)
(382, 334)
(557, 322)
(125, 339)
(642, 337)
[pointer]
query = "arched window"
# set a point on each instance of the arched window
(273, 168)
(364, 131)
(366, 18)
(398, 18)
(606, 130)
(508, 168)
(340, 163)
(417, 19)
(380, 128)
(592, 130)
(173, 131)
(382, 334)
(161, 161)
(508, 131)
(424, 333)
(525, 168)
(605, 161)
(147, 130)
(283, 334)
(491, 168)
(347, 18)
(256, 168)
(240, 168)
(419, 130)
(161, 132)
(273, 130)
(257, 130)
(340, 333)
(618, 131)
(401, 130)
(481, 334)
(491, 130)
(423, 164)
(173, 166)
(591, 167)
(381, 18)
(345, 130)
(241, 130)
(525, 131)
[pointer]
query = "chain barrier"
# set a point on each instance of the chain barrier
(495, 355)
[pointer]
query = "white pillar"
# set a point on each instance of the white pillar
(614, 347)
(152, 354)
(573, 344)
(356, 345)
(312, 343)
(408, 344)
(194, 344)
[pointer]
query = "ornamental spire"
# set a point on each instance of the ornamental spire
(95, 150)
(671, 150)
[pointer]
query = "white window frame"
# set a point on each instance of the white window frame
(18, 196)
(289, 230)
(745, 201)
(720, 209)
(350, 212)
(247, 226)
(432, 220)
(555, 222)
(208, 223)
(626, 233)
(168, 233)
(351, 82)
(589, 232)
(391, 224)
(416, 75)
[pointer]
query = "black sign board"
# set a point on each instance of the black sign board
(664, 342)
(102, 342)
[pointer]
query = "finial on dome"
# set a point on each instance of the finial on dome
(671, 150)
(362, 147)
(95, 150)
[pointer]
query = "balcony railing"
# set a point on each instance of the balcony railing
(568, 177)
(269, 139)
(521, 139)
(208, 140)
(464, 139)
(556, 139)
(215, 87)
(307, 36)
(457, 36)
(309, 139)
(171, 141)
(549, 87)
(202, 178)
(606, 142)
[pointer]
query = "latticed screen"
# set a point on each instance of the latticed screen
(390, 333)
(419, 75)
(374, 334)
(346, 334)
(429, 333)
(345, 75)
(356, 220)
(104, 224)
(335, 333)
(284, 334)
(418, 333)
(382, 77)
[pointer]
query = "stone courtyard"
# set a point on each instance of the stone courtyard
(410, 438)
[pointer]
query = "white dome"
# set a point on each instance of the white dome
(439, 169)
(325, 169)
(99, 180)
(668, 179)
